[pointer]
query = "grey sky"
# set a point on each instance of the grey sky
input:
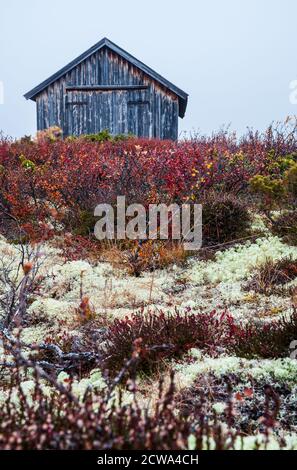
(235, 58)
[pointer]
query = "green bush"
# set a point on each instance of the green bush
(266, 186)
(106, 136)
(26, 163)
(102, 136)
(286, 162)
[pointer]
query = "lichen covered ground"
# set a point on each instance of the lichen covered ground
(197, 286)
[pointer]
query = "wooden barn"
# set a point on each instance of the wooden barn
(107, 88)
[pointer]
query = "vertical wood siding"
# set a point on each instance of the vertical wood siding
(151, 112)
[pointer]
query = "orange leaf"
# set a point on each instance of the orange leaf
(248, 392)
(238, 396)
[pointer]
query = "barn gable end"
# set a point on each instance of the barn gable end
(106, 88)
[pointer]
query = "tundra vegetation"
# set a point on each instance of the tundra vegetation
(142, 345)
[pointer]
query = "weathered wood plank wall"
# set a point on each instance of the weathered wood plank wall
(132, 102)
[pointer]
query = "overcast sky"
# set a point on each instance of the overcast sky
(235, 58)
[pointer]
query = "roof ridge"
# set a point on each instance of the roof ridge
(183, 96)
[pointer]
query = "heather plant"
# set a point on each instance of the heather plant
(285, 226)
(225, 218)
(58, 421)
(75, 372)
(162, 336)
(271, 274)
(59, 413)
(265, 340)
(237, 263)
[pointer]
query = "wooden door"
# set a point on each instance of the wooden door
(121, 111)
(76, 114)
(139, 114)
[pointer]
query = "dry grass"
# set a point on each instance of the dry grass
(272, 274)
(145, 256)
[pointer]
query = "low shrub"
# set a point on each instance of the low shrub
(285, 162)
(154, 254)
(103, 136)
(285, 226)
(77, 174)
(225, 218)
(271, 274)
(106, 136)
(291, 180)
(271, 190)
(255, 403)
(265, 340)
(73, 248)
(58, 421)
(161, 336)
(85, 224)
(52, 134)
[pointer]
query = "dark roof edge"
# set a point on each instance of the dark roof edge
(183, 97)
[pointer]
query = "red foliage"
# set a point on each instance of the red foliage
(161, 336)
(265, 340)
(42, 181)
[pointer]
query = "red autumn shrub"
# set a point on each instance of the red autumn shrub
(225, 218)
(55, 182)
(264, 340)
(160, 336)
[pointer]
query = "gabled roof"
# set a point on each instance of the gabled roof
(183, 97)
